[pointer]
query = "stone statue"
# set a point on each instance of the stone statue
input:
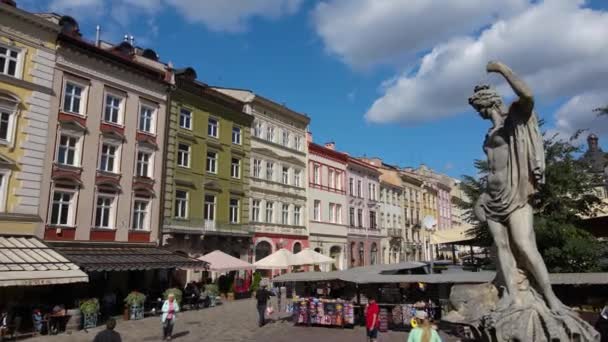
(525, 307)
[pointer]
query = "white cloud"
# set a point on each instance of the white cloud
(366, 32)
(578, 113)
(232, 15)
(557, 46)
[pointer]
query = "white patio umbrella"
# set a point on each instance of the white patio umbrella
(280, 259)
(309, 257)
(222, 262)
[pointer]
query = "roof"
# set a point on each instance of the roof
(327, 152)
(26, 260)
(363, 164)
(126, 258)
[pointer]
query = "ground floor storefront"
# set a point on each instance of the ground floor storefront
(333, 247)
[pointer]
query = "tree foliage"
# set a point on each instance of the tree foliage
(568, 194)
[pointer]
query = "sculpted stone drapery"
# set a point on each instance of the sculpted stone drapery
(524, 307)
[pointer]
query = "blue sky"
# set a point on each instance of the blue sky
(387, 80)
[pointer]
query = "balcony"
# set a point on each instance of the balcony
(202, 227)
(395, 232)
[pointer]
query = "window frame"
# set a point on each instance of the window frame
(285, 214)
(5, 174)
(257, 168)
(150, 163)
(121, 107)
(21, 52)
(111, 211)
(217, 127)
(71, 208)
(236, 166)
(12, 112)
(189, 118)
(270, 170)
(146, 220)
(297, 178)
(269, 210)
(255, 210)
(116, 158)
(285, 175)
(285, 137)
(82, 108)
(234, 210)
(154, 112)
(212, 205)
(186, 156)
(270, 133)
(215, 162)
(316, 210)
(238, 133)
(186, 208)
(77, 148)
(297, 215)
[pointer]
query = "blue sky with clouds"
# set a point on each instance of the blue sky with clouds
(380, 78)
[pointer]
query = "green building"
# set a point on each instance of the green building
(207, 171)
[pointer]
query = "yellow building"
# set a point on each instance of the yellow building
(27, 62)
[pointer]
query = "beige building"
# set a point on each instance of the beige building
(413, 214)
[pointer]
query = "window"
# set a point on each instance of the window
(140, 215)
(360, 218)
(269, 171)
(209, 209)
(372, 219)
(332, 213)
(298, 142)
(381, 224)
(146, 119)
(113, 109)
(255, 210)
(317, 210)
(62, 210)
(181, 204)
(351, 217)
(104, 213)
(297, 177)
(72, 98)
(234, 210)
(257, 129)
(339, 213)
(332, 182)
(359, 190)
(338, 180)
(67, 151)
(351, 186)
(185, 119)
(270, 133)
(257, 168)
(143, 167)
(285, 214)
(369, 190)
(212, 130)
(236, 135)
(183, 155)
(109, 156)
(285, 175)
(285, 139)
(6, 119)
(235, 168)
(4, 176)
(212, 162)
(269, 213)
(296, 216)
(317, 174)
(9, 61)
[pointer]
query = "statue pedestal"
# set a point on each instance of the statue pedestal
(495, 319)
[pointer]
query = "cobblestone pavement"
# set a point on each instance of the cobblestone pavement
(233, 321)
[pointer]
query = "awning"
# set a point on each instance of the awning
(27, 261)
(222, 262)
(453, 235)
(126, 258)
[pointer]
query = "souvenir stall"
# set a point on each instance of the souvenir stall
(327, 312)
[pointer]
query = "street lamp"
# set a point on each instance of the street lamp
(429, 223)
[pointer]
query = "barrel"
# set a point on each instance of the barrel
(75, 321)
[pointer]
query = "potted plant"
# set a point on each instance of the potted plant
(176, 292)
(212, 292)
(89, 309)
(255, 284)
(134, 303)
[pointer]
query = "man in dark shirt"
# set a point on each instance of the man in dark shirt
(108, 335)
(262, 295)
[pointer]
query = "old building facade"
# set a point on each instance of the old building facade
(206, 204)
(327, 202)
(277, 198)
(27, 62)
(413, 214)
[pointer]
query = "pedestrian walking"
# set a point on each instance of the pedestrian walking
(423, 330)
(108, 335)
(170, 308)
(262, 295)
(371, 319)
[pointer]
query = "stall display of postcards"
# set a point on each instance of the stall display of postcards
(316, 311)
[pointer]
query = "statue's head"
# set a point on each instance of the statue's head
(485, 100)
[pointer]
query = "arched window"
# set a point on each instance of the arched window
(373, 254)
(262, 250)
(297, 247)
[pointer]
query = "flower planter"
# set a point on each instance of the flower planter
(136, 312)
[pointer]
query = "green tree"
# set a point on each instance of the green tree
(567, 195)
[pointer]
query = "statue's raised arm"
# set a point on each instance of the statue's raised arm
(524, 105)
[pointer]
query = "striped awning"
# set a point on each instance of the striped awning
(27, 261)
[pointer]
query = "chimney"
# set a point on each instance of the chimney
(330, 145)
(97, 35)
(309, 137)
